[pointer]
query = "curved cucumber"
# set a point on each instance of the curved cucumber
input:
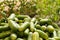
(42, 34)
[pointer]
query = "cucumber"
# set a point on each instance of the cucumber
(26, 32)
(50, 29)
(4, 34)
(13, 25)
(24, 26)
(29, 36)
(45, 21)
(27, 19)
(32, 27)
(2, 24)
(16, 19)
(38, 26)
(21, 17)
(4, 28)
(55, 25)
(55, 33)
(13, 36)
(35, 36)
(20, 21)
(43, 28)
(42, 34)
(33, 20)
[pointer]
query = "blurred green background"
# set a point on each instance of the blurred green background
(42, 8)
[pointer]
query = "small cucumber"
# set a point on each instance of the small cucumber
(50, 29)
(13, 36)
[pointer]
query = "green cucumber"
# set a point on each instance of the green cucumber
(55, 25)
(45, 21)
(33, 20)
(32, 27)
(38, 26)
(13, 36)
(35, 36)
(29, 36)
(43, 28)
(42, 34)
(21, 17)
(4, 28)
(50, 29)
(4, 34)
(26, 32)
(13, 25)
(27, 19)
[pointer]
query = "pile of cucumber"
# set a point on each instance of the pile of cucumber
(22, 27)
